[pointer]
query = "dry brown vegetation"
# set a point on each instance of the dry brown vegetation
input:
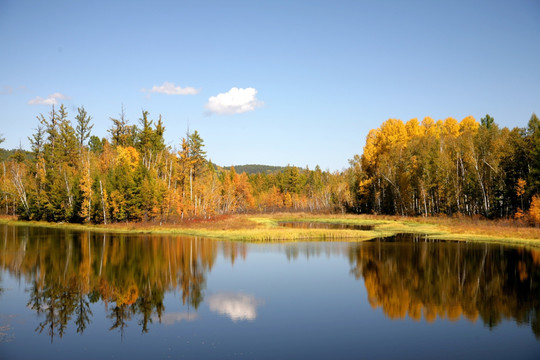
(264, 227)
(478, 226)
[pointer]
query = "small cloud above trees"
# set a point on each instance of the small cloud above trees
(52, 99)
(235, 101)
(168, 88)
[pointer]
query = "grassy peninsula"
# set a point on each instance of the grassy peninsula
(265, 227)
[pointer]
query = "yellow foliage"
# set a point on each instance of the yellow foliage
(427, 122)
(454, 312)
(430, 129)
(451, 127)
(534, 211)
(469, 124)
(287, 200)
(413, 128)
(106, 159)
(128, 297)
(371, 149)
(127, 155)
(85, 186)
(519, 214)
(393, 132)
(520, 187)
(117, 204)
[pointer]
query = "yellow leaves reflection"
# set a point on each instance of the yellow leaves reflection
(424, 280)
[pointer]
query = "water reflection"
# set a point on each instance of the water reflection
(445, 280)
(175, 317)
(67, 272)
(237, 306)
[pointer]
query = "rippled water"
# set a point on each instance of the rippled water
(67, 294)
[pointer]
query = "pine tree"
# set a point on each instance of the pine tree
(83, 126)
(196, 153)
(146, 134)
(121, 132)
(533, 145)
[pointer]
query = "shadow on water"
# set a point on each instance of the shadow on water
(323, 225)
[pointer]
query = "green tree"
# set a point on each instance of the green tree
(68, 145)
(50, 126)
(515, 166)
(196, 153)
(95, 144)
(121, 132)
(146, 134)
(487, 121)
(158, 142)
(83, 126)
(37, 141)
(533, 144)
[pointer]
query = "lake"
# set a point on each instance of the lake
(89, 295)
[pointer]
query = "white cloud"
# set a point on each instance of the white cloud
(49, 100)
(235, 101)
(168, 88)
(236, 306)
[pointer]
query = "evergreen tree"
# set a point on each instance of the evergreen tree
(95, 144)
(533, 145)
(146, 134)
(121, 132)
(83, 126)
(196, 153)
(37, 141)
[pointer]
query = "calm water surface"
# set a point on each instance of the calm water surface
(66, 294)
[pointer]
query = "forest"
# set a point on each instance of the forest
(413, 168)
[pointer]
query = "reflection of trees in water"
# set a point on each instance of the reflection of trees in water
(70, 270)
(450, 280)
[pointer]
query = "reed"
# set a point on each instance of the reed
(265, 227)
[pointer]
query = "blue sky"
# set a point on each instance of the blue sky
(311, 77)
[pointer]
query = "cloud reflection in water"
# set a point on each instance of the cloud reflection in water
(171, 318)
(237, 306)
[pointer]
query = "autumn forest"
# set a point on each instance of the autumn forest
(413, 168)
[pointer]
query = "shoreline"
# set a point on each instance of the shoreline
(265, 228)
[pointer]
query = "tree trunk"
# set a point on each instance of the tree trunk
(103, 203)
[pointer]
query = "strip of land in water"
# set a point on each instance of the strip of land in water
(265, 227)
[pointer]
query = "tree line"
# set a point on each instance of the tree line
(71, 175)
(449, 167)
(411, 168)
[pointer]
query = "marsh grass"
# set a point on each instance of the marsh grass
(265, 227)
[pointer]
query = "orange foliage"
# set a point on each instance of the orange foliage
(534, 211)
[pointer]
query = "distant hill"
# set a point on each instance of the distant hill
(6, 154)
(256, 169)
